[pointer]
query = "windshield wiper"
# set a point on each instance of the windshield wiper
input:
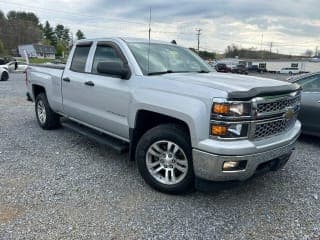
(159, 73)
(203, 71)
(170, 71)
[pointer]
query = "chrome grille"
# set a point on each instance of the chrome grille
(274, 127)
(279, 105)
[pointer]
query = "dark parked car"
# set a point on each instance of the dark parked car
(253, 68)
(222, 67)
(240, 68)
(310, 103)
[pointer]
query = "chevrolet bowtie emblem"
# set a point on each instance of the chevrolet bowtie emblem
(289, 113)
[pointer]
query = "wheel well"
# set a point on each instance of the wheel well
(37, 90)
(4, 73)
(146, 120)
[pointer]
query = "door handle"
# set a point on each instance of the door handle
(89, 83)
(319, 101)
(66, 79)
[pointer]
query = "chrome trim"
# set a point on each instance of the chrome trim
(255, 118)
(265, 100)
(251, 127)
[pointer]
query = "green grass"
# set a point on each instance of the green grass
(39, 60)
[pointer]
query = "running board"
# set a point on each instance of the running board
(114, 143)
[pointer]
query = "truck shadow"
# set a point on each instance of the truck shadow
(308, 139)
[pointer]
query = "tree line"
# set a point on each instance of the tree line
(19, 27)
(235, 51)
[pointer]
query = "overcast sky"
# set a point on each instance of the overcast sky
(292, 26)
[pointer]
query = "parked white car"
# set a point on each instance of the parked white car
(21, 66)
(290, 70)
(4, 73)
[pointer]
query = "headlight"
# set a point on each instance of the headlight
(231, 109)
(230, 130)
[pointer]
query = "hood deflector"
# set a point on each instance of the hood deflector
(263, 91)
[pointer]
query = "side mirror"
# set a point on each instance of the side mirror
(114, 68)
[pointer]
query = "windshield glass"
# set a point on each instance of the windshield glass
(164, 58)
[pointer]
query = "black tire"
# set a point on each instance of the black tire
(51, 120)
(176, 135)
(4, 76)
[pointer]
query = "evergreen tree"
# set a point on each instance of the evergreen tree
(80, 35)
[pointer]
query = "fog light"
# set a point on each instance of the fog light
(234, 165)
(230, 165)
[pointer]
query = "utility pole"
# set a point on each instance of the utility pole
(198, 30)
(271, 44)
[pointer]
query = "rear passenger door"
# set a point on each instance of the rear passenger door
(75, 95)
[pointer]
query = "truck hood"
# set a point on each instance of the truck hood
(236, 86)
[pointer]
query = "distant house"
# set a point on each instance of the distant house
(37, 50)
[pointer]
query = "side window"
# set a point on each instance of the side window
(310, 84)
(79, 59)
(105, 53)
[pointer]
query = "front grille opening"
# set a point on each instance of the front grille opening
(278, 106)
(273, 128)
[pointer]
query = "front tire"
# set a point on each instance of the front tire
(4, 76)
(164, 159)
(46, 117)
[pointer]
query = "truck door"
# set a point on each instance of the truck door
(73, 83)
(110, 94)
(98, 100)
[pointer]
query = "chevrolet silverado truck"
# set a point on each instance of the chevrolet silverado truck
(183, 124)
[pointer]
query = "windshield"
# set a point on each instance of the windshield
(164, 58)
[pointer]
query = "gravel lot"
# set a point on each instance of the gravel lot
(60, 185)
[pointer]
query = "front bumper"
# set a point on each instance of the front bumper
(209, 166)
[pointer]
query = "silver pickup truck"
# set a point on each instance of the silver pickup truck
(184, 124)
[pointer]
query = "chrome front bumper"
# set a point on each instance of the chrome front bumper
(208, 166)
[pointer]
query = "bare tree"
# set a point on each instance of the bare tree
(308, 53)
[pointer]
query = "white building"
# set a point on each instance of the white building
(37, 50)
(277, 65)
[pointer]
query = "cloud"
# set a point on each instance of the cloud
(292, 25)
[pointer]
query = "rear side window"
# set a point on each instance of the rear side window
(105, 53)
(79, 59)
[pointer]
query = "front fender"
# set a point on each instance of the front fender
(194, 112)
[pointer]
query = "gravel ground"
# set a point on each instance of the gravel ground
(60, 185)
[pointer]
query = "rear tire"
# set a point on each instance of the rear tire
(4, 76)
(46, 117)
(164, 158)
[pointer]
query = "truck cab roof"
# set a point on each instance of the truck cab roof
(125, 39)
